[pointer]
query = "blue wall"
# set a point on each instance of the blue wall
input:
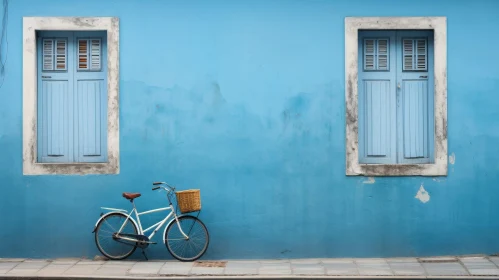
(245, 100)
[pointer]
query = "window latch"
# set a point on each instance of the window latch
(398, 85)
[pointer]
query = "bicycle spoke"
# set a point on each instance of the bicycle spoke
(192, 247)
(110, 246)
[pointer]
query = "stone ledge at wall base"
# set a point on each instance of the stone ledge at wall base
(449, 267)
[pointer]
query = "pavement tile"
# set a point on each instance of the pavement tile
(438, 259)
(274, 268)
(241, 271)
(28, 268)
(305, 265)
(402, 260)
(444, 269)
(269, 267)
(146, 268)
(6, 266)
(306, 261)
(120, 263)
(480, 266)
(65, 261)
(477, 263)
(174, 271)
(78, 269)
(113, 270)
(11, 260)
(274, 271)
(199, 270)
(274, 263)
(89, 262)
(307, 269)
(340, 267)
(373, 267)
(176, 268)
(484, 272)
(54, 269)
(242, 264)
(407, 268)
(495, 260)
(349, 260)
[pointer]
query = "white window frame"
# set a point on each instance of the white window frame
(352, 27)
(30, 26)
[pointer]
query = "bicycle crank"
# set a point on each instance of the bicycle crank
(141, 241)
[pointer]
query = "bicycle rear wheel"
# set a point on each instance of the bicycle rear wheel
(110, 246)
(189, 249)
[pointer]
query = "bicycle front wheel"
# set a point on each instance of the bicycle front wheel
(191, 248)
(108, 243)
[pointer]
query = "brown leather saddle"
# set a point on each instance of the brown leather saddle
(131, 196)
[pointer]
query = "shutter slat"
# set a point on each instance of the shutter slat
(383, 52)
(61, 54)
(421, 54)
(48, 54)
(376, 54)
(408, 54)
(369, 54)
(89, 54)
(82, 54)
(415, 55)
(95, 54)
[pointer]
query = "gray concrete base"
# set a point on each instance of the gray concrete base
(478, 267)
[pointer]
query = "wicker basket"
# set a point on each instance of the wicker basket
(189, 201)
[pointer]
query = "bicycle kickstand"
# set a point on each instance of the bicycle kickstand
(144, 253)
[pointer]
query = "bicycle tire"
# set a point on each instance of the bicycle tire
(106, 253)
(195, 224)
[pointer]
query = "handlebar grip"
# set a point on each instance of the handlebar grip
(157, 183)
(155, 188)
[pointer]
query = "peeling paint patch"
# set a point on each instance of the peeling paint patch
(452, 158)
(370, 180)
(422, 195)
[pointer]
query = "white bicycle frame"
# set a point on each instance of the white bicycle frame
(158, 225)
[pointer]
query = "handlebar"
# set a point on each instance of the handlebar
(167, 187)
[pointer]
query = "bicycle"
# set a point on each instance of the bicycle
(189, 231)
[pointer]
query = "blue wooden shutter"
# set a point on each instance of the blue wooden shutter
(369, 54)
(415, 119)
(415, 116)
(382, 54)
(376, 54)
(54, 110)
(415, 55)
(91, 100)
(377, 108)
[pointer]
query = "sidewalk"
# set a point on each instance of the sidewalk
(476, 267)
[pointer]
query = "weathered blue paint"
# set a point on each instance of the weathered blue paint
(245, 100)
